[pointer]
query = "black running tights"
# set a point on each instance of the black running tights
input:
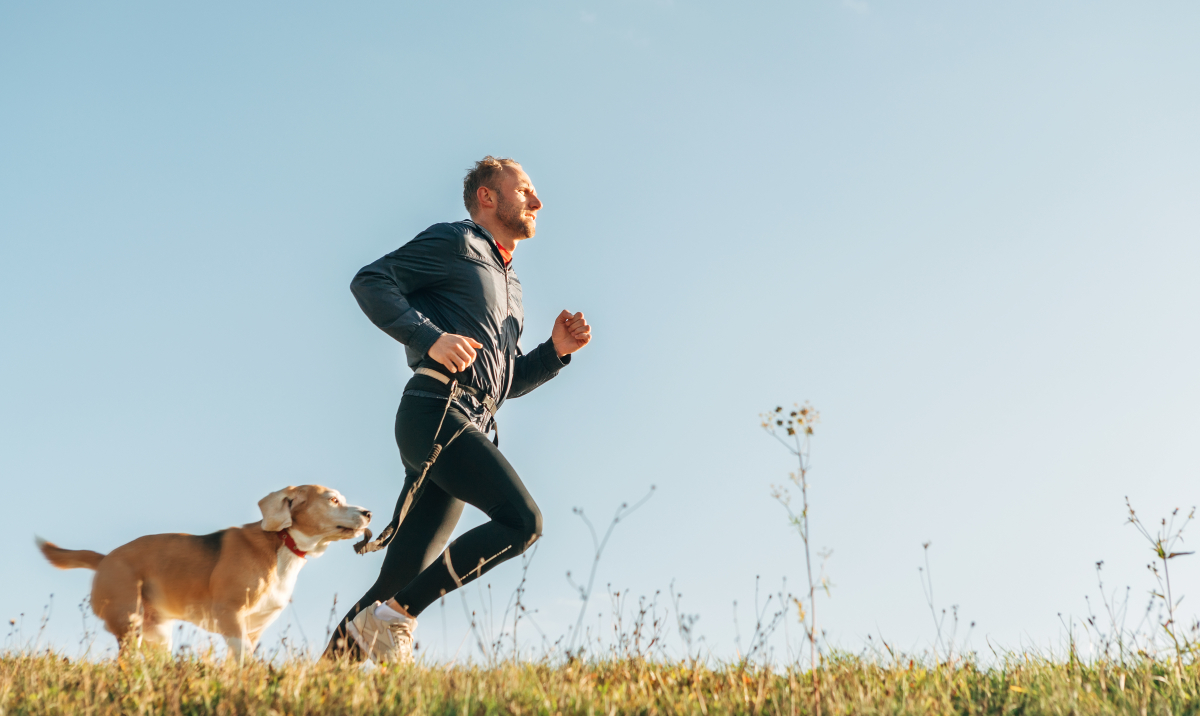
(418, 568)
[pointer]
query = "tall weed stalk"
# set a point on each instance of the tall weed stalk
(793, 430)
(1164, 541)
(598, 545)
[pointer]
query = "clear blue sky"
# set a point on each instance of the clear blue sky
(969, 233)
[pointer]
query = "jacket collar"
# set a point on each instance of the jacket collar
(480, 229)
(491, 240)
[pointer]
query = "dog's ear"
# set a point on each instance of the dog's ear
(299, 495)
(277, 509)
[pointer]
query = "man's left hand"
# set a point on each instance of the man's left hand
(571, 332)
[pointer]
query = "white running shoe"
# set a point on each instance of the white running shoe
(386, 638)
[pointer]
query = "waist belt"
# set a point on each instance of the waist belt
(485, 399)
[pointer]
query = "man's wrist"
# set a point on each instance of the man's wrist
(551, 358)
(424, 337)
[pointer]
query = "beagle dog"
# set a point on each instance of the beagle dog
(234, 582)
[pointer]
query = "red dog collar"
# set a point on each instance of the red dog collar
(290, 543)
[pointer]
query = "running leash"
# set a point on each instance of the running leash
(367, 545)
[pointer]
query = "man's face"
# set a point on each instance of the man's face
(517, 203)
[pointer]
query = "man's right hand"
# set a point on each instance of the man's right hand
(455, 352)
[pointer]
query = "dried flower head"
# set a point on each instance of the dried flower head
(800, 420)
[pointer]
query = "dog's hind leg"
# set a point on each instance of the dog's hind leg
(122, 602)
(117, 600)
(157, 633)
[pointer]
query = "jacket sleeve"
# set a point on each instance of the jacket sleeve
(532, 370)
(382, 289)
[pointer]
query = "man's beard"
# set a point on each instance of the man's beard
(510, 217)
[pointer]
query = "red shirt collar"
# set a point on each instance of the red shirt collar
(290, 543)
(504, 254)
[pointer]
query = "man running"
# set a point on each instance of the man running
(452, 298)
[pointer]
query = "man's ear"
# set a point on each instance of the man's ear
(486, 197)
(277, 509)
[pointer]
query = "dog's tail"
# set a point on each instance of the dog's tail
(69, 558)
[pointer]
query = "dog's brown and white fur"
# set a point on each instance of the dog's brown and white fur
(234, 582)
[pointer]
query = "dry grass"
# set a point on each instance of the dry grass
(51, 684)
(639, 677)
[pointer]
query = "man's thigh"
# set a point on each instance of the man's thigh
(470, 469)
(422, 536)
(417, 423)
(473, 470)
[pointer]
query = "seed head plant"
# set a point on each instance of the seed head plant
(794, 429)
(1164, 542)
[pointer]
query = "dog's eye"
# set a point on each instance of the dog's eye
(334, 500)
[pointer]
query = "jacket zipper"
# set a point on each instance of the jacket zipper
(508, 313)
(507, 294)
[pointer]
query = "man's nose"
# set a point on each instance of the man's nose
(535, 203)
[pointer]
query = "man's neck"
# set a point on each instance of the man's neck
(503, 236)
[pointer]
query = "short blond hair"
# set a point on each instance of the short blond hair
(485, 173)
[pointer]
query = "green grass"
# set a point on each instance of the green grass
(50, 684)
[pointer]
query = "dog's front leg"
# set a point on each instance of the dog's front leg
(238, 647)
(232, 626)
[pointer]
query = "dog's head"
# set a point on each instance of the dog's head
(314, 515)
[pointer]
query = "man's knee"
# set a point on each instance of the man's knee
(525, 518)
(534, 526)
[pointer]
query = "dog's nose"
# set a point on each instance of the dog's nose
(366, 513)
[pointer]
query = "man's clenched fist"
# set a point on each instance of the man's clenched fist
(571, 332)
(455, 352)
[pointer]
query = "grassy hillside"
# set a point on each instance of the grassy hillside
(49, 684)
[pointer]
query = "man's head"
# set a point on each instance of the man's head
(500, 197)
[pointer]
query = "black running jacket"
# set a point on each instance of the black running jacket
(450, 279)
